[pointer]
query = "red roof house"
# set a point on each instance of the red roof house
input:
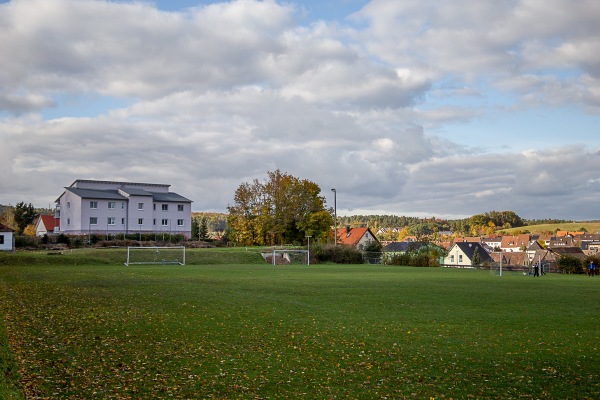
(355, 237)
(46, 224)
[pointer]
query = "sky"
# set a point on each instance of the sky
(445, 108)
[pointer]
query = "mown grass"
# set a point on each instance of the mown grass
(259, 331)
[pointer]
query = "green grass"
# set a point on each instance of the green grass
(95, 330)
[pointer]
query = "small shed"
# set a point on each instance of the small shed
(7, 242)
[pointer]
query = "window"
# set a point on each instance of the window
(1, 239)
(460, 258)
(179, 222)
(93, 204)
(140, 206)
(93, 220)
(122, 221)
(154, 207)
(179, 207)
(68, 221)
(111, 205)
(122, 205)
(140, 221)
(68, 205)
(452, 258)
(111, 220)
(165, 207)
(154, 222)
(165, 222)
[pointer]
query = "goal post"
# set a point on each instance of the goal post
(174, 255)
(282, 256)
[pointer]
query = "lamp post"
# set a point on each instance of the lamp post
(334, 216)
(308, 260)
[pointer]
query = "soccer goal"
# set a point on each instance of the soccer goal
(156, 255)
(281, 256)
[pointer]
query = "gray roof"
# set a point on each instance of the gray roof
(135, 191)
(170, 197)
(469, 249)
(403, 246)
(114, 195)
(96, 194)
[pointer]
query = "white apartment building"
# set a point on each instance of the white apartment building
(90, 206)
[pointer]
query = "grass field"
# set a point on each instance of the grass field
(85, 326)
(591, 227)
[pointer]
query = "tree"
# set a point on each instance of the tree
(195, 228)
(568, 264)
(24, 215)
(7, 218)
(284, 209)
(203, 229)
(29, 230)
(476, 258)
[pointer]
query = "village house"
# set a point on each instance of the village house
(46, 225)
(356, 237)
(462, 254)
(493, 242)
(512, 243)
(6, 238)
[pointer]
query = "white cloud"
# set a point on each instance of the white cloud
(216, 95)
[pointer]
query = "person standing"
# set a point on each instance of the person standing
(536, 269)
(591, 268)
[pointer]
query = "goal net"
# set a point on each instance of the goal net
(156, 255)
(284, 257)
(501, 269)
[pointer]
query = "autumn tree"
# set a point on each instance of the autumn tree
(7, 218)
(29, 230)
(24, 215)
(283, 209)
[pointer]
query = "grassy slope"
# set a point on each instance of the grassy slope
(572, 227)
(246, 331)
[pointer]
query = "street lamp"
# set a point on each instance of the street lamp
(334, 216)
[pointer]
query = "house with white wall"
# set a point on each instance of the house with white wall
(111, 207)
(461, 254)
(6, 238)
(46, 225)
(356, 237)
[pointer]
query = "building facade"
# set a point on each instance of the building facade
(107, 207)
(6, 238)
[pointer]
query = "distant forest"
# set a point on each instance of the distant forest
(395, 227)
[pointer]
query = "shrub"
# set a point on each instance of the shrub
(399, 259)
(22, 241)
(62, 238)
(570, 265)
(337, 254)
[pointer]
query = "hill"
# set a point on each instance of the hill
(589, 227)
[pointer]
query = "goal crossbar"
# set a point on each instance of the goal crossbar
(162, 255)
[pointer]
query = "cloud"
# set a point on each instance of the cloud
(216, 95)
